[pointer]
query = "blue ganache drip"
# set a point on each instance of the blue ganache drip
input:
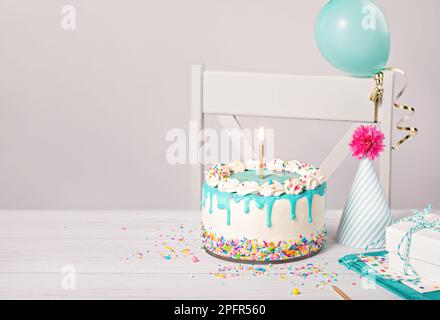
(224, 199)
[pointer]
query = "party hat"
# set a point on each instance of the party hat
(366, 213)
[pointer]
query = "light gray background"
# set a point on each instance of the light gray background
(84, 114)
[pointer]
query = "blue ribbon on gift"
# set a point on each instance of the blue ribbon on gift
(419, 218)
(421, 223)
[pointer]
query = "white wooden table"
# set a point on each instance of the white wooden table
(122, 255)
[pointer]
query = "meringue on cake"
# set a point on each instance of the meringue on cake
(279, 217)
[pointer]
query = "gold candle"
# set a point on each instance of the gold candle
(261, 135)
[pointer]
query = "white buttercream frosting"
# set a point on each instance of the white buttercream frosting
(248, 187)
(272, 189)
(217, 173)
(310, 177)
(252, 165)
(311, 182)
(313, 178)
(276, 165)
(307, 170)
(294, 186)
(320, 176)
(228, 185)
(237, 166)
(211, 181)
(293, 165)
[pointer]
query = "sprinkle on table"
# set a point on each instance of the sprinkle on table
(296, 291)
(178, 244)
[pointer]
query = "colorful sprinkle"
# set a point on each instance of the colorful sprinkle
(296, 291)
(247, 249)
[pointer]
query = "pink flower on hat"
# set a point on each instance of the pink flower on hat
(367, 141)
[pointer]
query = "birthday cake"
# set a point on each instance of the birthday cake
(277, 216)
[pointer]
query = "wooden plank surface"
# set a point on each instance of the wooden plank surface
(122, 255)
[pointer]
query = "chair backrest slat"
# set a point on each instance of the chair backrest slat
(287, 96)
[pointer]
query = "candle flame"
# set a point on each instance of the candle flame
(261, 134)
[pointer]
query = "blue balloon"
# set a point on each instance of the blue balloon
(353, 35)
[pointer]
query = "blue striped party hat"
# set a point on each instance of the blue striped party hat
(366, 213)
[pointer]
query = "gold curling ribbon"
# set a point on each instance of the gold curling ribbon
(377, 94)
(376, 97)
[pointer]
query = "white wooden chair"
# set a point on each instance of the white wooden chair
(229, 94)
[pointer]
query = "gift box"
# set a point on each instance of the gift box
(428, 271)
(422, 233)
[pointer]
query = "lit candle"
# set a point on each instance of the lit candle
(261, 135)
